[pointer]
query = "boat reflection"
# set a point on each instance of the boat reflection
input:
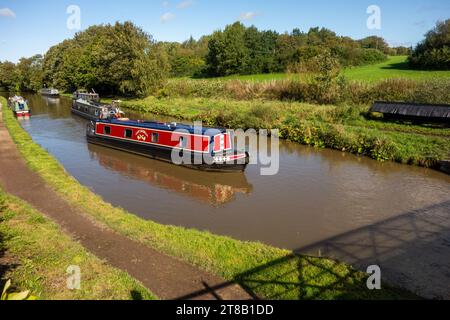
(213, 188)
(50, 101)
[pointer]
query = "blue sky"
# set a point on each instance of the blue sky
(28, 27)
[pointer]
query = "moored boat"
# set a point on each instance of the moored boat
(87, 105)
(207, 149)
(19, 106)
(50, 92)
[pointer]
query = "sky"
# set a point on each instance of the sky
(29, 27)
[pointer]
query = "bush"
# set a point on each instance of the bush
(434, 51)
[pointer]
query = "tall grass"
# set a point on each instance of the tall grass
(307, 90)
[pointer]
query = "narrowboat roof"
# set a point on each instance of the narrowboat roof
(165, 126)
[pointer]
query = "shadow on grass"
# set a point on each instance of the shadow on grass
(6, 262)
(412, 250)
(136, 295)
(404, 66)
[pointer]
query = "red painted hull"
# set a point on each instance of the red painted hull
(22, 114)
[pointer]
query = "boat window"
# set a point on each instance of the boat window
(107, 130)
(183, 142)
(155, 137)
(128, 133)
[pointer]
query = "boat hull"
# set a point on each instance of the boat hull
(22, 114)
(163, 154)
(50, 95)
(84, 114)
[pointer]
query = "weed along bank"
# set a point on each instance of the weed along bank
(237, 172)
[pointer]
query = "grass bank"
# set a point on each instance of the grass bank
(343, 127)
(38, 254)
(269, 272)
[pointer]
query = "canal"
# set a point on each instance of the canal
(317, 194)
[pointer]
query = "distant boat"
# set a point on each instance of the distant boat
(19, 106)
(87, 105)
(50, 92)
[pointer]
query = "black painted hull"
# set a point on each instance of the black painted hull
(84, 114)
(163, 154)
(50, 95)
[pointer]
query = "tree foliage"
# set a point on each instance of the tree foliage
(434, 51)
(123, 59)
(114, 59)
(241, 50)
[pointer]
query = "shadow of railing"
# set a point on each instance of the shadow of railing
(413, 251)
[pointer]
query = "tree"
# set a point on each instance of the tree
(113, 59)
(434, 51)
(8, 75)
(227, 51)
(374, 42)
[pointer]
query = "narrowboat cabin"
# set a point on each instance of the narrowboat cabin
(50, 92)
(207, 149)
(87, 105)
(19, 106)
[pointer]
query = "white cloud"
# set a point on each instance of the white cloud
(185, 4)
(247, 15)
(167, 17)
(6, 12)
(165, 4)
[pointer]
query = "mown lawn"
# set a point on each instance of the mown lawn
(394, 67)
(269, 272)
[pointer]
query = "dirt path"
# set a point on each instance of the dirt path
(165, 276)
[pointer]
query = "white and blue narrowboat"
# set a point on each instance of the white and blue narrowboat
(19, 106)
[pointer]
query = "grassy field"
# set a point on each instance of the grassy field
(39, 254)
(394, 67)
(269, 272)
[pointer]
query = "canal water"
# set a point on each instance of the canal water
(316, 196)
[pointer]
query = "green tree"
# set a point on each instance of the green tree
(8, 75)
(374, 42)
(119, 58)
(227, 51)
(434, 51)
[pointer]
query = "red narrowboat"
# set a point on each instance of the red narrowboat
(207, 149)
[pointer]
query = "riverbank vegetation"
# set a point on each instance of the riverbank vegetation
(35, 253)
(346, 128)
(316, 89)
(264, 270)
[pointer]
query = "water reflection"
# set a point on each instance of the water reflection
(214, 188)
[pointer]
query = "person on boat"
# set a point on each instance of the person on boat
(104, 114)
